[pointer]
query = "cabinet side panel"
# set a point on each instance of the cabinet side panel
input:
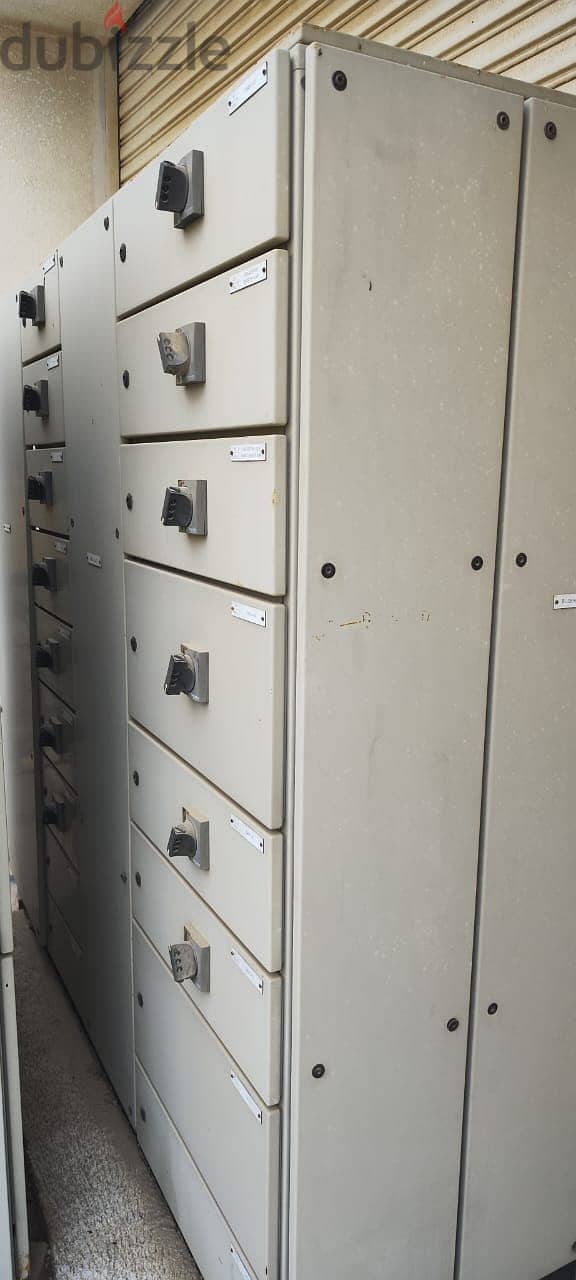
(520, 1176)
(410, 215)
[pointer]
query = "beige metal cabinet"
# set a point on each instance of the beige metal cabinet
(62, 883)
(51, 574)
(47, 490)
(245, 189)
(56, 730)
(245, 508)
(53, 654)
(244, 369)
(240, 1000)
(45, 429)
(244, 880)
(236, 736)
(40, 338)
(232, 1137)
(201, 1221)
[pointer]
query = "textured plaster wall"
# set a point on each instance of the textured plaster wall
(58, 151)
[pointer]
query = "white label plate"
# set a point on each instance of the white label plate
(248, 613)
(57, 455)
(246, 1097)
(247, 832)
(65, 632)
(48, 264)
(257, 79)
(238, 1265)
(565, 602)
(62, 547)
(7, 528)
(256, 273)
(248, 971)
(53, 362)
(94, 560)
(249, 452)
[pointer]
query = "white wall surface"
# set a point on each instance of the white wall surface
(57, 149)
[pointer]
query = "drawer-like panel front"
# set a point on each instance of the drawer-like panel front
(243, 881)
(60, 810)
(46, 489)
(239, 535)
(41, 331)
(62, 881)
(244, 192)
(66, 954)
(242, 1003)
(228, 651)
(243, 360)
(56, 731)
(53, 655)
(50, 568)
(200, 1220)
(43, 379)
(232, 1137)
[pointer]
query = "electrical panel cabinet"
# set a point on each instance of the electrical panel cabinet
(302, 583)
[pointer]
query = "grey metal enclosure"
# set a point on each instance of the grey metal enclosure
(297, 457)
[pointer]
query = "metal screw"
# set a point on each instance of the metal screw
(133, 644)
(143, 1114)
(123, 877)
(72, 523)
(328, 570)
(122, 252)
(129, 501)
(492, 1008)
(521, 559)
(339, 80)
(117, 532)
(61, 261)
(106, 223)
(503, 120)
(140, 999)
(136, 778)
(477, 562)
(318, 1071)
(138, 879)
(453, 1024)
(550, 130)
(126, 378)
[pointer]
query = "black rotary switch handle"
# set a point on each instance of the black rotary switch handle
(180, 676)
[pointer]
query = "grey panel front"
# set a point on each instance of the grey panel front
(405, 345)
(231, 1136)
(520, 1183)
(49, 430)
(38, 339)
(51, 710)
(51, 631)
(46, 550)
(237, 738)
(246, 196)
(53, 515)
(65, 827)
(62, 882)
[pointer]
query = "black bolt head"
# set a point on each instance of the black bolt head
(136, 778)
(129, 501)
(550, 130)
(143, 1114)
(339, 80)
(133, 644)
(126, 378)
(453, 1024)
(138, 879)
(122, 252)
(477, 562)
(521, 559)
(61, 260)
(503, 120)
(106, 223)
(492, 1008)
(117, 533)
(328, 569)
(318, 1071)
(140, 999)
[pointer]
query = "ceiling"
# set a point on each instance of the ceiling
(59, 15)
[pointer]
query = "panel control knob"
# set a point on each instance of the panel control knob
(43, 656)
(185, 507)
(180, 188)
(183, 353)
(182, 842)
(53, 735)
(35, 398)
(54, 814)
(40, 488)
(180, 676)
(190, 959)
(44, 574)
(49, 655)
(32, 306)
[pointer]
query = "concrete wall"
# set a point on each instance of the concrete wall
(58, 146)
